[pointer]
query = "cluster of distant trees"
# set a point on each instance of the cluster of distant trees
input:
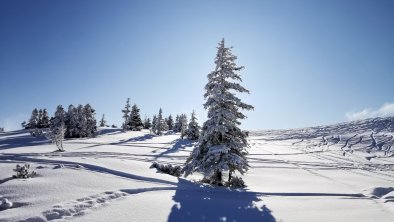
(38, 119)
(77, 121)
(159, 124)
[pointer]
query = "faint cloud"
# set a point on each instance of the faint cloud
(384, 111)
(14, 122)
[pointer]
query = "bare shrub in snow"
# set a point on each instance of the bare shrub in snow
(167, 169)
(57, 128)
(56, 135)
(23, 171)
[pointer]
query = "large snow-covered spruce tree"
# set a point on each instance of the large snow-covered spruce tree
(222, 144)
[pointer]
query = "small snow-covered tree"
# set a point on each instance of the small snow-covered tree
(170, 122)
(80, 127)
(39, 121)
(90, 121)
(177, 125)
(183, 124)
(161, 125)
(57, 128)
(71, 122)
(24, 125)
(147, 123)
(222, 144)
(45, 119)
(165, 125)
(135, 122)
(34, 120)
(102, 121)
(154, 124)
(126, 115)
(193, 130)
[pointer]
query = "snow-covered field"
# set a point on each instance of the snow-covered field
(342, 172)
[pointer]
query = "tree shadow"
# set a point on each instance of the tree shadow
(109, 131)
(197, 203)
(21, 141)
(179, 144)
(135, 139)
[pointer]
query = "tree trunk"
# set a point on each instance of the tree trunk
(229, 176)
(219, 178)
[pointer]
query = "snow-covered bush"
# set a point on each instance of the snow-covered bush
(5, 204)
(237, 182)
(23, 171)
(167, 169)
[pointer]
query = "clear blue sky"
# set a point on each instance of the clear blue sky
(307, 62)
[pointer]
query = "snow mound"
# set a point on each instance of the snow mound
(385, 194)
(5, 204)
(381, 192)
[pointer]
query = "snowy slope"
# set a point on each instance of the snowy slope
(295, 175)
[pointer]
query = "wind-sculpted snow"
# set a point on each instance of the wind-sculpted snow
(369, 138)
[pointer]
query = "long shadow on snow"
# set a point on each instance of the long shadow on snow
(109, 131)
(21, 141)
(195, 203)
(91, 167)
(179, 144)
(135, 139)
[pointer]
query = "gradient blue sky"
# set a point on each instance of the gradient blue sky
(307, 62)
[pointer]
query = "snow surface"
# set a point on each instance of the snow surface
(295, 175)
